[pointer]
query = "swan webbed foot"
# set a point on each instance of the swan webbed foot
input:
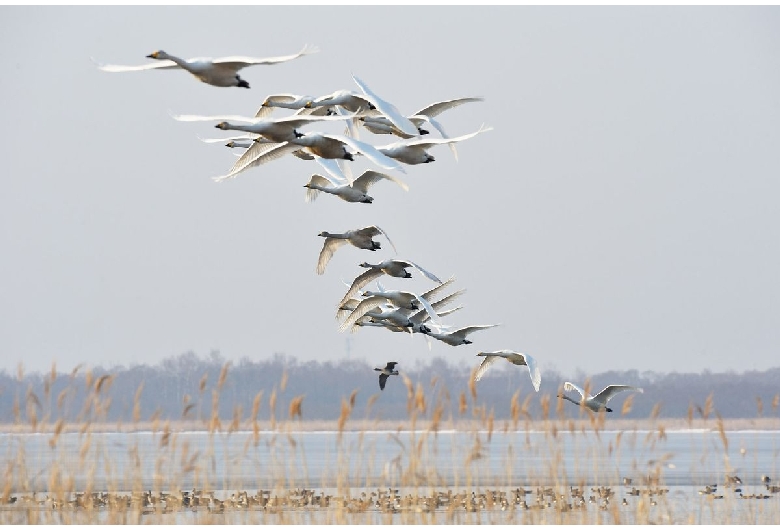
(348, 156)
(242, 83)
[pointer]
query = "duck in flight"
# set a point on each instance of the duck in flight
(386, 372)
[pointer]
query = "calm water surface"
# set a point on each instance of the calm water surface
(241, 460)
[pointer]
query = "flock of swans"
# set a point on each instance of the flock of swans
(265, 139)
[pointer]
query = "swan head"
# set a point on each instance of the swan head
(366, 265)
(223, 125)
(324, 234)
(308, 105)
(159, 54)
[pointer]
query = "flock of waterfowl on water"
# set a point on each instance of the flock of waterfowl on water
(385, 500)
(264, 139)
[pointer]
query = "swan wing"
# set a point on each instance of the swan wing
(332, 167)
(487, 362)
(226, 139)
(447, 300)
(328, 248)
(609, 392)
(439, 288)
(369, 178)
(369, 151)
(259, 154)
(380, 231)
(319, 180)
(426, 143)
(438, 126)
(424, 272)
(372, 302)
(427, 306)
(571, 387)
(382, 381)
(463, 332)
(434, 109)
(238, 62)
(360, 282)
(196, 117)
(156, 65)
(388, 109)
(523, 359)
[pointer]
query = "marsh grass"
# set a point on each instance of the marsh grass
(252, 471)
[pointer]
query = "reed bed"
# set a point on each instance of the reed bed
(461, 467)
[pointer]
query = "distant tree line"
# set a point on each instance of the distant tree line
(191, 387)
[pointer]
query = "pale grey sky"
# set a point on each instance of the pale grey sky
(623, 213)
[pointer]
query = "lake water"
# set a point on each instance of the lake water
(683, 461)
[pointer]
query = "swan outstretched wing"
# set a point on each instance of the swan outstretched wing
(238, 62)
(426, 143)
(319, 180)
(369, 151)
(226, 117)
(372, 302)
(258, 154)
(388, 109)
(369, 178)
(487, 362)
(525, 359)
(156, 65)
(360, 282)
(571, 387)
(434, 109)
(463, 332)
(607, 394)
(328, 248)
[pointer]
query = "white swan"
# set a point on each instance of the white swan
(415, 151)
(222, 72)
(387, 109)
(357, 191)
(391, 267)
(356, 102)
(386, 372)
(380, 125)
(276, 130)
(328, 146)
(361, 238)
(404, 301)
(335, 146)
(520, 359)
(599, 401)
(458, 337)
